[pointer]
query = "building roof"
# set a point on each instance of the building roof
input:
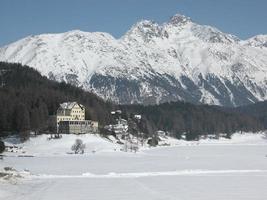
(69, 105)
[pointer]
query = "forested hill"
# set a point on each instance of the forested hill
(27, 99)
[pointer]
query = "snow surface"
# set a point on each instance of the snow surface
(206, 169)
(42, 146)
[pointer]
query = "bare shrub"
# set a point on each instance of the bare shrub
(78, 146)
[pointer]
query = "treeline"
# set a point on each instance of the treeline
(179, 118)
(257, 110)
(27, 99)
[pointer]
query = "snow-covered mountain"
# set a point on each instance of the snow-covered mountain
(152, 63)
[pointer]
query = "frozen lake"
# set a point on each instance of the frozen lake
(221, 172)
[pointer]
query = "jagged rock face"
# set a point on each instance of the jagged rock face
(257, 41)
(152, 63)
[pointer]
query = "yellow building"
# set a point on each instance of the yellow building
(71, 119)
(70, 111)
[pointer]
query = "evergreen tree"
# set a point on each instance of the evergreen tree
(22, 118)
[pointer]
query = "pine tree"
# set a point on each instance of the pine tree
(22, 118)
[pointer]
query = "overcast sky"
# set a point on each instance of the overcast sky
(20, 18)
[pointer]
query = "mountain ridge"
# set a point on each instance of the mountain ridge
(152, 63)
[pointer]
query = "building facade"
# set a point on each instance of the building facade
(70, 111)
(71, 119)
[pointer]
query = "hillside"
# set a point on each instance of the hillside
(152, 63)
(27, 99)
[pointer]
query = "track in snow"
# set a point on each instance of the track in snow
(150, 174)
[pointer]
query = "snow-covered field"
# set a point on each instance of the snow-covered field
(208, 169)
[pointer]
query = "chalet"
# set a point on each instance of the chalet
(71, 119)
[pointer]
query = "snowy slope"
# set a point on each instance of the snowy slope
(152, 63)
(43, 146)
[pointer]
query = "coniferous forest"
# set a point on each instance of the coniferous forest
(27, 99)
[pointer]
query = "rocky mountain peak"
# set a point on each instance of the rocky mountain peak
(147, 30)
(257, 41)
(179, 19)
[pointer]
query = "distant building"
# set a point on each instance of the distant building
(71, 119)
(138, 117)
(78, 127)
(120, 128)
